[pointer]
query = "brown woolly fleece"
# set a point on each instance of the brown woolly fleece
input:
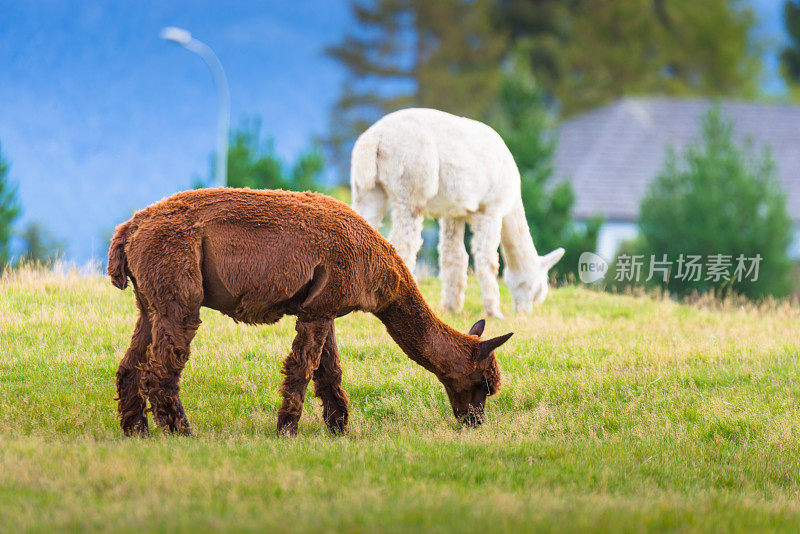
(256, 256)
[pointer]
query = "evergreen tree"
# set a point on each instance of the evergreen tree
(447, 55)
(790, 55)
(9, 211)
(252, 162)
(587, 53)
(444, 55)
(40, 246)
(526, 123)
(718, 199)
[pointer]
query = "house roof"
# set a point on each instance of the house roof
(610, 154)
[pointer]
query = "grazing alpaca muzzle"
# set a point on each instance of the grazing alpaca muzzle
(531, 286)
(469, 406)
(257, 256)
(468, 396)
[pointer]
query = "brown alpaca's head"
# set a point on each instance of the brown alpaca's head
(468, 393)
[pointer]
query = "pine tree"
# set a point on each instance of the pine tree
(39, 245)
(527, 123)
(790, 55)
(252, 162)
(717, 198)
(587, 53)
(444, 54)
(9, 211)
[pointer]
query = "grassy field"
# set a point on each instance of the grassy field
(618, 413)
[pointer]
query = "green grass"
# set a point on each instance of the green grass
(618, 413)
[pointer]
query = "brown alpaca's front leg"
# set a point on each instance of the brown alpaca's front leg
(298, 369)
(131, 407)
(328, 386)
(167, 356)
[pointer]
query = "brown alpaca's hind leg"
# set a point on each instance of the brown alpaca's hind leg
(299, 367)
(328, 386)
(173, 331)
(132, 405)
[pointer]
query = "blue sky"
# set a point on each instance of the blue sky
(100, 117)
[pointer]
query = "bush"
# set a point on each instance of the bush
(719, 199)
(252, 162)
(41, 247)
(9, 211)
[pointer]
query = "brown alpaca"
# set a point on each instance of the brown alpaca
(256, 256)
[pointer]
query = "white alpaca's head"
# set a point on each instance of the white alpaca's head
(529, 286)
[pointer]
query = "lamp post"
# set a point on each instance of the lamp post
(185, 39)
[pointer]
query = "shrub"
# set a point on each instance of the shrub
(253, 162)
(9, 211)
(718, 198)
(40, 245)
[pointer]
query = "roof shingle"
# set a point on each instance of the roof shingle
(611, 154)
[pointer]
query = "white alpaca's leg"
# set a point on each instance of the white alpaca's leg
(371, 204)
(453, 263)
(406, 233)
(485, 241)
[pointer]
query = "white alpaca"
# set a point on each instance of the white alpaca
(429, 162)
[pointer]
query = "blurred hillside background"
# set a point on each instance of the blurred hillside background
(100, 117)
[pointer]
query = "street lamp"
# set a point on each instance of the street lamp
(185, 39)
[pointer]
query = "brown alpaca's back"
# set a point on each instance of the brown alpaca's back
(256, 255)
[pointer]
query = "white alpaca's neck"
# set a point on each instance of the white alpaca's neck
(519, 252)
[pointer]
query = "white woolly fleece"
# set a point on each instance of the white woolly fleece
(427, 162)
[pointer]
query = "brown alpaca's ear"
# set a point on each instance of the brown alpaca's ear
(488, 346)
(477, 328)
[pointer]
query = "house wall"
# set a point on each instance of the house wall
(794, 248)
(612, 234)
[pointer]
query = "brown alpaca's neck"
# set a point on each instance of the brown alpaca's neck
(423, 336)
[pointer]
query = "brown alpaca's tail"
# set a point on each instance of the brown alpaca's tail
(116, 256)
